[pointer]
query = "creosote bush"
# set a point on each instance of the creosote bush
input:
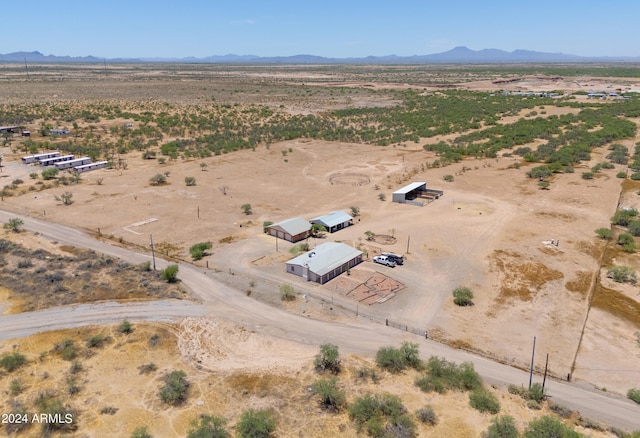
(287, 293)
(12, 361)
(484, 401)
(328, 359)
(175, 389)
(256, 424)
(398, 359)
(170, 273)
(331, 397)
(462, 296)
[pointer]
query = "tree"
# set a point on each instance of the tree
(158, 179)
(175, 389)
(462, 296)
(256, 424)
(502, 427)
(50, 173)
(246, 209)
(209, 426)
(328, 359)
(540, 172)
(355, 211)
(370, 235)
(125, 327)
(14, 225)
(66, 198)
(170, 273)
(317, 229)
(287, 293)
(190, 181)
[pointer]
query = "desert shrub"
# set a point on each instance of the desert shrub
(49, 173)
(634, 228)
(12, 361)
(391, 359)
(147, 368)
(624, 216)
(109, 410)
(287, 293)
(175, 389)
(462, 296)
(67, 349)
(588, 423)
(634, 395)
(518, 390)
(621, 175)
(76, 367)
(96, 341)
(125, 327)
(635, 176)
(604, 233)
(427, 415)
(561, 410)
(380, 414)
(448, 178)
(536, 392)
(158, 179)
(72, 385)
(14, 225)
(140, 432)
(199, 250)
(145, 266)
(328, 359)
(442, 375)
(154, 340)
(548, 426)
(624, 239)
(15, 388)
(54, 408)
(540, 172)
(587, 175)
(622, 274)
(532, 404)
(502, 427)
(265, 225)
(170, 273)
(246, 209)
(382, 197)
(209, 426)
(256, 424)
(190, 181)
(331, 397)
(484, 401)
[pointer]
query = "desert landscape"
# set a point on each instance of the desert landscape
(525, 245)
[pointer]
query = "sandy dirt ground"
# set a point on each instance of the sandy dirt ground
(492, 231)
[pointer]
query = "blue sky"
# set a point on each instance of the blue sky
(161, 28)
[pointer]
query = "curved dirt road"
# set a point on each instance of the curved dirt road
(218, 300)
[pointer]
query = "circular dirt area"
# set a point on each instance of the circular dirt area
(384, 239)
(350, 178)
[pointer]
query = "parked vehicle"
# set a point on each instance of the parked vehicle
(394, 257)
(384, 260)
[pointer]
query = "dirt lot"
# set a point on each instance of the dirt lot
(491, 232)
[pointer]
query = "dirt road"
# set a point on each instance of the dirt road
(220, 301)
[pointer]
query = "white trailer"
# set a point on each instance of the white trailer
(91, 166)
(38, 157)
(72, 163)
(54, 160)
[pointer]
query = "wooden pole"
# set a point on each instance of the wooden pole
(153, 254)
(408, 240)
(533, 353)
(546, 366)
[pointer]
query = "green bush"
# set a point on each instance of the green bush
(328, 359)
(622, 274)
(442, 375)
(621, 175)
(634, 228)
(199, 250)
(175, 389)
(125, 327)
(462, 296)
(624, 239)
(536, 392)
(484, 401)
(331, 397)
(427, 415)
(381, 416)
(634, 394)
(12, 361)
(209, 426)
(635, 176)
(256, 424)
(502, 427)
(50, 173)
(67, 349)
(604, 233)
(398, 359)
(96, 341)
(624, 217)
(548, 426)
(287, 293)
(140, 432)
(170, 273)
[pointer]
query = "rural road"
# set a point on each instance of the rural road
(217, 300)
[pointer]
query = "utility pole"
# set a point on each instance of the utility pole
(153, 254)
(544, 379)
(533, 353)
(408, 240)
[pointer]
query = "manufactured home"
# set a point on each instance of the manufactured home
(54, 160)
(324, 262)
(73, 163)
(91, 166)
(38, 157)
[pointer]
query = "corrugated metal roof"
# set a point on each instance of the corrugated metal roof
(326, 257)
(332, 219)
(406, 189)
(293, 226)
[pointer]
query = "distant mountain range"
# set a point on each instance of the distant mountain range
(458, 55)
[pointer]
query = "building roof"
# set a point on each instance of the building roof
(410, 187)
(326, 257)
(332, 219)
(293, 226)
